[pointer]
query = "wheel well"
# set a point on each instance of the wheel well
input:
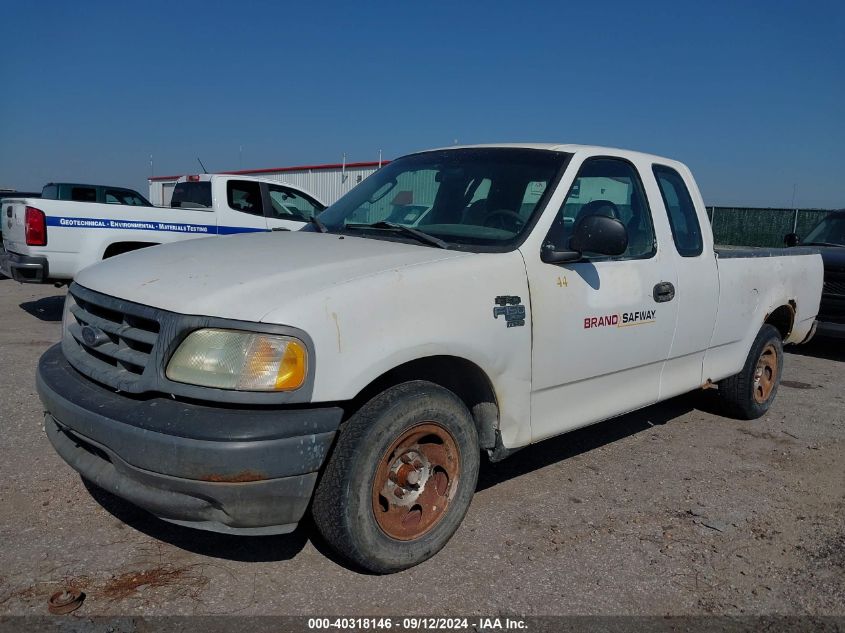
(782, 318)
(462, 377)
(118, 248)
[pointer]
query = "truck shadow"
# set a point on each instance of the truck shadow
(820, 347)
(45, 308)
(251, 549)
(563, 447)
(287, 546)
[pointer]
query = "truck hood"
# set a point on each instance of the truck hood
(247, 276)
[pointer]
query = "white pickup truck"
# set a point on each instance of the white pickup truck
(368, 365)
(52, 240)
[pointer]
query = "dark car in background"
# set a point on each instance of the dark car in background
(829, 237)
(11, 193)
(104, 194)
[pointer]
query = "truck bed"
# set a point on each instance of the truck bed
(730, 252)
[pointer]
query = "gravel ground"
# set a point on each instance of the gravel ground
(672, 510)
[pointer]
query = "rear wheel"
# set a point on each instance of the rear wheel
(750, 393)
(400, 478)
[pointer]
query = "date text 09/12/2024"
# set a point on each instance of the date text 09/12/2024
(419, 623)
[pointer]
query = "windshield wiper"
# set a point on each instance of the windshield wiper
(407, 230)
(316, 222)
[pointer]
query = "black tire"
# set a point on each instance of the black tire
(346, 498)
(747, 395)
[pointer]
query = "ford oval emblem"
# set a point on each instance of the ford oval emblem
(93, 336)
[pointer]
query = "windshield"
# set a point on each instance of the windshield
(478, 199)
(831, 230)
(192, 195)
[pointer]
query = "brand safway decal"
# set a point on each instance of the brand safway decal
(623, 319)
(147, 225)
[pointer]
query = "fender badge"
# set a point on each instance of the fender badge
(511, 308)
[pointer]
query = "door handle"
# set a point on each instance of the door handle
(663, 292)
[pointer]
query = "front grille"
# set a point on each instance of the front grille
(834, 286)
(125, 346)
(126, 336)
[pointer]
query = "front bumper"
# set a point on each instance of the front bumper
(23, 268)
(234, 470)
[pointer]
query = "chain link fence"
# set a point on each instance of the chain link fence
(747, 226)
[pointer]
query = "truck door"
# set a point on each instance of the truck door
(602, 326)
(243, 210)
(697, 290)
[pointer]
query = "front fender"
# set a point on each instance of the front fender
(366, 327)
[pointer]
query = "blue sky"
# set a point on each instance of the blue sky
(750, 95)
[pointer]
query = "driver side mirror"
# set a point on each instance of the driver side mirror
(593, 234)
(791, 239)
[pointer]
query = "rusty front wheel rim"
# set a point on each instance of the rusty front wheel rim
(765, 374)
(415, 481)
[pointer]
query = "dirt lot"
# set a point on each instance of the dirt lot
(672, 510)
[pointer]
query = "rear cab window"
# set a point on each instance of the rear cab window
(83, 194)
(683, 219)
(192, 195)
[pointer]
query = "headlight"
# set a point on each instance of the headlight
(244, 361)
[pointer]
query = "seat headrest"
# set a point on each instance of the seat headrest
(598, 207)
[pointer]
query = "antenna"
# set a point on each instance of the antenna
(204, 170)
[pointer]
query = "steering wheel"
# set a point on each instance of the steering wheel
(504, 217)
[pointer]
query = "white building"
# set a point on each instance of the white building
(326, 182)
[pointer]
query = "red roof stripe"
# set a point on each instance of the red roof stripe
(277, 170)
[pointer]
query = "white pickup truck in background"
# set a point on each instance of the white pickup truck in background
(52, 240)
(370, 363)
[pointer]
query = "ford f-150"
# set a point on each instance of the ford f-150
(367, 364)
